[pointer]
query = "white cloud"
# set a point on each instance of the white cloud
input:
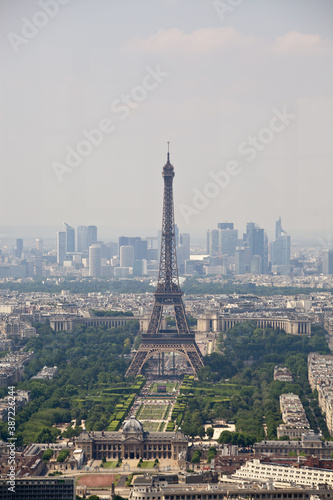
(201, 41)
(211, 40)
(297, 44)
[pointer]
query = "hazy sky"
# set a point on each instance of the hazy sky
(241, 89)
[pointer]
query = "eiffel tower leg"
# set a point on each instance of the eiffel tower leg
(181, 322)
(155, 320)
(194, 357)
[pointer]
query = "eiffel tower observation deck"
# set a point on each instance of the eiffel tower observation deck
(168, 293)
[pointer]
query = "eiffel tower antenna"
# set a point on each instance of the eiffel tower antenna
(168, 292)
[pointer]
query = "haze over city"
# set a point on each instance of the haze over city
(251, 85)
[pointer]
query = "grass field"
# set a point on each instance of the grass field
(150, 426)
(170, 386)
(149, 464)
(110, 465)
(152, 412)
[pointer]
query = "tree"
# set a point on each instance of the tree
(210, 432)
(127, 346)
(211, 454)
(62, 456)
(196, 457)
(47, 455)
(45, 436)
(201, 432)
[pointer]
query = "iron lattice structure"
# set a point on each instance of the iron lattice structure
(167, 292)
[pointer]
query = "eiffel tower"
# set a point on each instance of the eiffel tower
(168, 292)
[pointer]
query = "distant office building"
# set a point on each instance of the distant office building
(95, 261)
(139, 267)
(181, 258)
(256, 264)
(70, 238)
(85, 237)
(327, 261)
(225, 225)
(103, 249)
(38, 264)
(255, 240)
(176, 235)
(183, 252)
(278, 228)
(185, 243)
(19, 247)
(61, 247)
(194, 267)
(152, 254)
(19, 271)
(92, 235)
(39, 244)
(280, 249)
(82, 239)
(121, 272)
(213, 242)
(228, 241)
(140, 246)
(127, 256)
(240, 260)
(111, 250)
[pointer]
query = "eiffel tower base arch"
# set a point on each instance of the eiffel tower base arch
(155, 344)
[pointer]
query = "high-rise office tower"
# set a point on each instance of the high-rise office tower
(228, 241)
(255, 240)
(70, 238)
(140, 246)
(176, 235)
(95, 261)
(327, 261)
(82, 239)
(213, 242)
(225, 225)
(240, 260)
(139, 267)
(111, 250)
(278, 228)
(127, 256)
(39, 244)
(256, 264)
(92, 235)
(185, 241)
(61, 247)
(85, 237)
(19, 247)
(38, 264)
(280, 249)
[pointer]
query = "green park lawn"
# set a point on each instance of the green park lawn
(149, 464)
(152, 412)
(110, 465)
(150, 426)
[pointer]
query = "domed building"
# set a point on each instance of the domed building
(132, 442)
(132, 425)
